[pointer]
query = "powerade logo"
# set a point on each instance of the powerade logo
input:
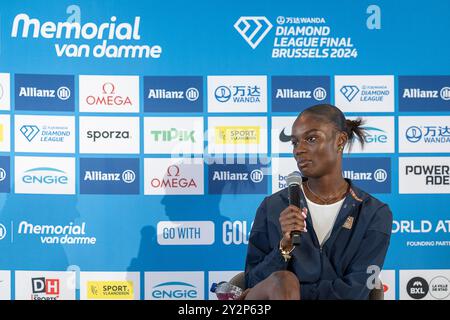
(237, 179)
(173, 94)
(45, 175)
(424, 93)
(109, 176)
(44, 92)
(4, 175)
(295, 93)
(370, 174)
(175, 290)
(428, 134)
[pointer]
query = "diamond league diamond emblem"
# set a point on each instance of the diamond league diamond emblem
(253, 29)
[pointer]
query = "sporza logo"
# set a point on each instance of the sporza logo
(253, 29)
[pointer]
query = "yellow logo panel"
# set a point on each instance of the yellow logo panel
(110, 290)
(237, 135)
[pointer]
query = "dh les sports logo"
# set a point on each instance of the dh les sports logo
(253, 29)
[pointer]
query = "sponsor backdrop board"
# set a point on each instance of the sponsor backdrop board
(137, 139)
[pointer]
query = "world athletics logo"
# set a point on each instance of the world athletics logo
(253, 29)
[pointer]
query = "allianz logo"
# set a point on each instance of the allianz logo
(417, 93)
(255, 176)
(379, 175)
(318, 93)
(191, 94)
(173, 135)
(174, 289)
(45, 175)
(63, 93)
(127, 176)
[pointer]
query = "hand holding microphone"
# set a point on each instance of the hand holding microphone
(292, 219)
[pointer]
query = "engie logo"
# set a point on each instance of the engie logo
(183, 176)
(185, 232)
(174, 285)
(109, 94)
(44, 92)
(424, 175)
(370, 174)
(5, 99)
(424, 93)
(295, 93)
(109, 176)
(424, 134)
(173, 94)
(44, 289)
(253, 29)
(364, 93)
(110, 290)
(44, 134)
(237, 94)
(379, 138)
(173, 135)
(45, 175)
(237, 178)
(118, 135)
(4, 174)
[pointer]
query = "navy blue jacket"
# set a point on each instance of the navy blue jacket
(338, 269)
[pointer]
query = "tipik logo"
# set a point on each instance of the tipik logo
(2, 232)
(417, 288)
(349, 92)
(413, 134)
(253, 29)
(29, 131)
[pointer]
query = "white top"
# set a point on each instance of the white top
(323, 217)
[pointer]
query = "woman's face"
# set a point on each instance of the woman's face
(315, 146)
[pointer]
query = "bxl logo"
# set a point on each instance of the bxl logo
(253, 29)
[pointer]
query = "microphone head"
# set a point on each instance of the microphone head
(294, 178)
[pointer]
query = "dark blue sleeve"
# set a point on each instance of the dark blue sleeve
(262, 258)
(372, 252)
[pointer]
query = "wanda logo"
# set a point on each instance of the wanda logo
(109, 97)
(173, 179)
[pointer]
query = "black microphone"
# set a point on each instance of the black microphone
(294, 179)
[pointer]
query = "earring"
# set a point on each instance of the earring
(340, 148)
